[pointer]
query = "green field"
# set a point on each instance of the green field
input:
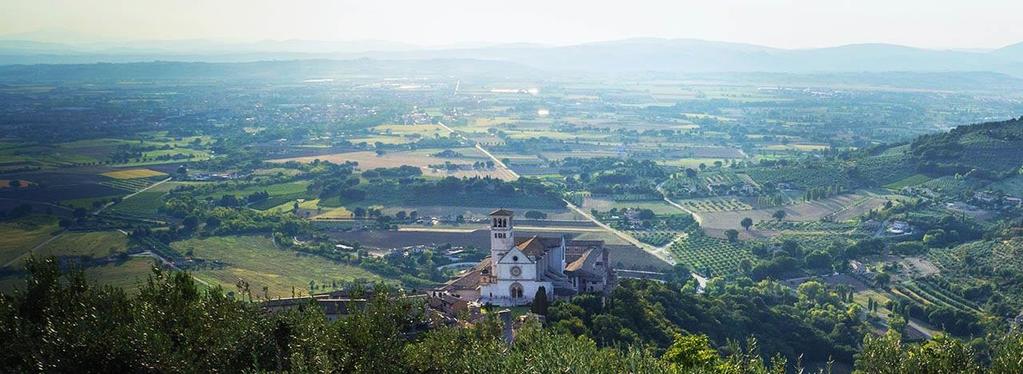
(909, 181)
(254, 259)
(128, 274)
(19, 236)
(659, 207)
(96, 244)
(1012, 186)
(279, 193)
(145, 203)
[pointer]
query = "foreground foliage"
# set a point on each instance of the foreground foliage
(60, 323)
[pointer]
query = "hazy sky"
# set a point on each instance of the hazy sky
(779, 23)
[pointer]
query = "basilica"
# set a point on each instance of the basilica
(519, 268)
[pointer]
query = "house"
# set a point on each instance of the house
(899, 227)
(517, 269)
(984, 196)
(858, 267)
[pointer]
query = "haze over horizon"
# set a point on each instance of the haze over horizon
(984, 24)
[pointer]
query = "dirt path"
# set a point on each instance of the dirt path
(921, 328)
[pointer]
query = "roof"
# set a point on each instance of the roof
(584, 243)
(585, 265)
(579, 262)
(471, 279)
(537, 246)
(502, 212)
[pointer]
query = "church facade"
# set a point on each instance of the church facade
(518, 268)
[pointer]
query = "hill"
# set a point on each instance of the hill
(988, 150)
(629, 55)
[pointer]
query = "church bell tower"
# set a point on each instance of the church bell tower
(502, 237)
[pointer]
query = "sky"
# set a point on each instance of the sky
(776, 23)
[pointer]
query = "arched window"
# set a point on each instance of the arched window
(516, 291)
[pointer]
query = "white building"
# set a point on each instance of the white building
(517, 269)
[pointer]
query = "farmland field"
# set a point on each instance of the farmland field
(133, 174)
(1012, 186)
(420, 158)
(21, 235)
(254, 259)
(22, 183)
(128, 274)
(710, 256)
(146, 203)
(603, 204)
(96, 244)
(715, 204)
(909, 181)
(280, 193)
(837, 208)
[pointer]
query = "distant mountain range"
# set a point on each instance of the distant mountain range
(630, 55)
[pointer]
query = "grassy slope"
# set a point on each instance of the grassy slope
(91, 244)
(255, 260)
(19, 236)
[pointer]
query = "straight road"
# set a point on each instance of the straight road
(480, 148)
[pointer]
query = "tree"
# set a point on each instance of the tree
(212, 222)
(190, 222)
(540, 303)
(745, 266)
(882, 279)
(732, 235)
(779, 214)
(690, 352)
(746, 223)
(536, 214)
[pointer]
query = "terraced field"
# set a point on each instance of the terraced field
(927, 294)
(132, 185)
(998, 255)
